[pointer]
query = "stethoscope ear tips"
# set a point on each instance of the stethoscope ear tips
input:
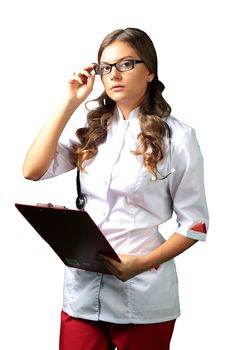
(80, 202)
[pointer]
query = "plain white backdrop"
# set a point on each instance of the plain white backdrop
(42, 43)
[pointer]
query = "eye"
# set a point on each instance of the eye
(104, 68)
(126, 64)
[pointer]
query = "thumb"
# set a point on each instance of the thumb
(90, 81)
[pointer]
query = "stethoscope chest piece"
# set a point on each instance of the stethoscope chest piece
(81, 200)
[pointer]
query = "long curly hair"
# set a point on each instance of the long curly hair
(152, 110)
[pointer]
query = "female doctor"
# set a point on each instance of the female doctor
(137, 165)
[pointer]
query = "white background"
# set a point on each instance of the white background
(42, 43)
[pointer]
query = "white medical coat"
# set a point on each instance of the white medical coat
(128, 205)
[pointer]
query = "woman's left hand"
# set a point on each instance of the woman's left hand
(130, 266)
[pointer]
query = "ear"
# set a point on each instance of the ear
(150, 77)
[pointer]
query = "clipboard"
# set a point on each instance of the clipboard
(72, 234)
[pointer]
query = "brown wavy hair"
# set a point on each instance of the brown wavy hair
(152, 110)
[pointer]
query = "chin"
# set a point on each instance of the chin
(118, 97)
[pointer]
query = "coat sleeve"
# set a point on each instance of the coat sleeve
(187, 187)
(64, 160)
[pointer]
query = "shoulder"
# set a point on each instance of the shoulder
(179, 130)
(183, 137)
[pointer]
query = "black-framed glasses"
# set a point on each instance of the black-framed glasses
(121, 66)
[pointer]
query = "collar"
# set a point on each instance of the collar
(133, 114)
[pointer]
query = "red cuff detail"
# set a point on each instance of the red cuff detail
(200, 227)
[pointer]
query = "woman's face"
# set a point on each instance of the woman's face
(126, 88)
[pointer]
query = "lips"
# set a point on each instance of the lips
(117, 87)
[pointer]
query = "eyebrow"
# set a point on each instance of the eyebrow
(121, 59)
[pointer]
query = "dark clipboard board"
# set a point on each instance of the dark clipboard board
(72, 234)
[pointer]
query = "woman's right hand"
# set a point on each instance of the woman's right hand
(81, 84)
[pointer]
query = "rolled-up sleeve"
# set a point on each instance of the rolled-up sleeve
(64, 158)
(187, 188)
(63, 161)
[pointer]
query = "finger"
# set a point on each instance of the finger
(76, 79)
(111, 269)
(90, 80)
(108, 260)
(90, 67)
(84, 79)
(81, 78)
(85, 70)
(81, 72)
(109, 264)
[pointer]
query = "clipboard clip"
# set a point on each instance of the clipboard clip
(50, 205)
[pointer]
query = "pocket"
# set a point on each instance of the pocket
(156, 289)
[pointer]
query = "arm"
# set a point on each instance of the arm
(174, 246)
(43, 149)
(132, 265)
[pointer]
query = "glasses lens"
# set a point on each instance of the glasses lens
(104, 69)
(125, 65)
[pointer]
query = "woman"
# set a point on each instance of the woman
(137, 165)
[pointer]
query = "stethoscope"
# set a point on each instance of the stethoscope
(171, 170)
(81, 199)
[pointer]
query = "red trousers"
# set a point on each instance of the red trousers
(79, 334)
